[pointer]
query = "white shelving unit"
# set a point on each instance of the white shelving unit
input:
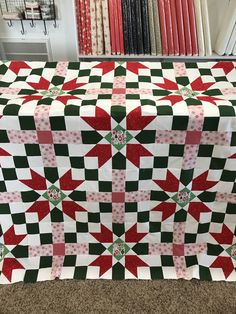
(216, 7)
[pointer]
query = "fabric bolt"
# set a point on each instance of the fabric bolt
(139, 27)
(193, 27)
(106, 28)
(206, 28)
(120, 23)
(88, 26)
(84, 26)
(234, 51)
(117, 170)
(175, 27)
(187, 28)
(226, 27)
(79, 26)
(100, 42)
(152, 28)
(130, 28)
(112, 26)
(93, 18)
(180, 23)
(231, 43)
(125, 26)
(133, 20)
(169, 28)
(199, 25)
(157, 27)
(163, 27)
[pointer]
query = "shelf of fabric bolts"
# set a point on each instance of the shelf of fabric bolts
(6, 11)
(213, 57)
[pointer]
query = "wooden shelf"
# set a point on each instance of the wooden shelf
(156, 58)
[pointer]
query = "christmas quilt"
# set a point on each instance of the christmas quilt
(117, 170)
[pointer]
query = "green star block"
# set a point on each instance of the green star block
(53, 92)
(3, 251)
(54, 195)
(232, 251)
(119, 137)
(187, 93)
(182, 198)
(118, 249)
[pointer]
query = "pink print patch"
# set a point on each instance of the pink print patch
(10, 197)
(118, 213)
(61, 69)
(48, 155)
(180, 69)
(170, 137)
(41, 117)
(22, 137)
(224, 197)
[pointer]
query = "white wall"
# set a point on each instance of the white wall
(62, 39)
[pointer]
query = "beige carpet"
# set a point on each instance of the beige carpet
(82, 297)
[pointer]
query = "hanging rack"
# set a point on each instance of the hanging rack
(9, 4)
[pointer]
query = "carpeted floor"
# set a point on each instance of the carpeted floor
(82, 297)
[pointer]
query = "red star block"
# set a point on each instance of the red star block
(67, 183)
(4, 153)
(102, 151)
(226, 66)
(196, 208)
(42, 208)
(70, 208)
(225, 237)
(135, 66)
(29, 98)
(16, 66)
(134, 152)
(168, 85)
(37, 182)
(170, 184)
(104, 262)
(132, 262)
(9, 264)
(106, 67)
(43, 84)
(72, 85)
(101, 121)
(104, 236)
(167, 209)
(135, 120)
(133, 236)
(199, 86)
(202, 184)
(11, 238)
(225, 263)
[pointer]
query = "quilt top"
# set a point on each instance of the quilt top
(117, 170)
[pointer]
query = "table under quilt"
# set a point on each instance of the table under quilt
(117, 170)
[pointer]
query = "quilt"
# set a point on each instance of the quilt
(117, 170)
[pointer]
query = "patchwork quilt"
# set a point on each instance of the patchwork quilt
(117, 170)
